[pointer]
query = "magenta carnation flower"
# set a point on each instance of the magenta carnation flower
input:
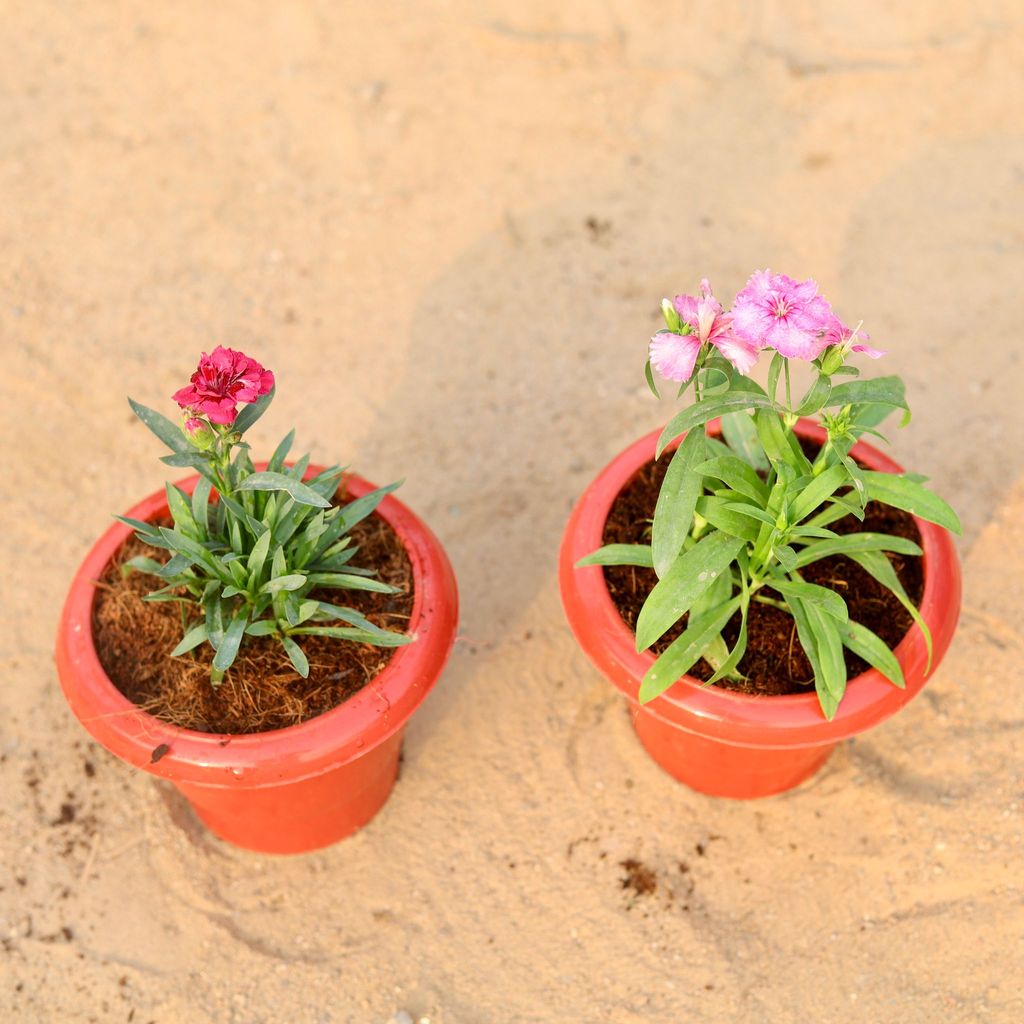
(675, 355)
(222, 380)
(774, 311)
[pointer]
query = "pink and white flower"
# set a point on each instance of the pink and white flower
(774, 311)
(674, 355)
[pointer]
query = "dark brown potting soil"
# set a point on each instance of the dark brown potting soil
(262, 690)
(774, 662)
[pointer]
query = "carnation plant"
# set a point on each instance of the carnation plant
(740, 516)
(249, 550)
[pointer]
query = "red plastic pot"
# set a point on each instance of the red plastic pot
(733, 744)
(286, 790)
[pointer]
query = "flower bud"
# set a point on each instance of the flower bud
(672, 320)
(199, 433)
(834, 357)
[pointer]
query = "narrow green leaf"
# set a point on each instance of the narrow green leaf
(723, 515)
(855, 542)
(228, 649)
(691, 574)
(877, 565)
(265, 627)
(738, 475)
(816, 396)
(142, 563)
(181, 508)
(201, 506)
(699, 414)
(878, 391)
(684, 652)
(899, 491)
(677, 499)
(292, 581)
(816, 492)
(276, 463)
(193, 638)
(295, 655)
(874, 650)
(619, 554)
(780, 447)
(356, 511)
(347, 581)
(258, 556)
(649, 377)
(251, 413)
(811, 593)
(162, 427)
(381, 638)
(739, 431)
(280, 482)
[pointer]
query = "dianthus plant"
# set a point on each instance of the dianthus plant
(743, 510)
(249, 550)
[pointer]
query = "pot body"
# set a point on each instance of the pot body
(286, 790)
(717, 741)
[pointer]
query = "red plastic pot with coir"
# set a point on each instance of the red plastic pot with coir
(715, 740)
(286, 790)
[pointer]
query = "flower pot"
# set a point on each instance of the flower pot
(286, 790)
(718, 741)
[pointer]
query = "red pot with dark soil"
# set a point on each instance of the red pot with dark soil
(277, 712)
(761, 586)
(728, 742)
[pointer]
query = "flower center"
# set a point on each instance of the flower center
(781, 308)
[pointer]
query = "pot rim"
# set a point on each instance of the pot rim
(276, 756)
(783, 721)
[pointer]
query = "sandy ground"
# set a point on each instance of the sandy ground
(446, 226)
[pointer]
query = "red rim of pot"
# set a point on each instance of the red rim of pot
(792, 720)
(296, 752)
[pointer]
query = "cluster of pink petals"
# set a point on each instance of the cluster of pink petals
(675, 355)
(222, 380)
(774, 311)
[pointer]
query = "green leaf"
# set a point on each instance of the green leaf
(739, 431)
(874, 650)
(201, 506)
(879, 391)
(292, 581)
(265, 627)
(649, 376)
(251, 413)
(673, 513)
(899, 491)
(356, 511)
(193, 638)
(619, 554)
(818, 638)
(780, 447)
(169, 433)
(691, 574)
(228, 649)
(196, 552)
(699, 414)
(173, 567)
(722, 515)
(181, 509)
(142, 563)
(816, 492)
(280, 482)
(851, 542)
(295, 655)
(258, 556)
(684, 652)
(774, 370)
(738, 475)
(816, 396)
(347, 581)
(276, 463)
(813, 594)
(191, 460)
(379, 638)
(877, 565)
